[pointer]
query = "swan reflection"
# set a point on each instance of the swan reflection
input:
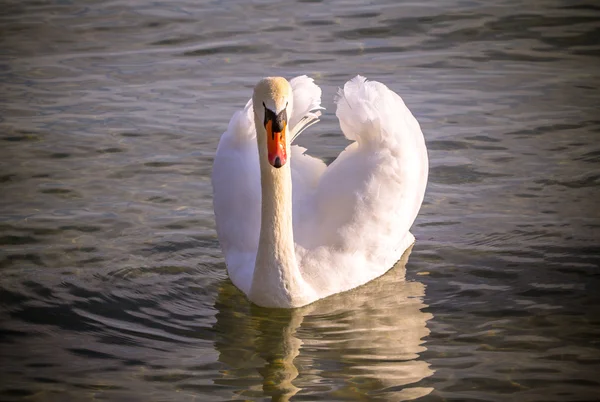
(363, 341)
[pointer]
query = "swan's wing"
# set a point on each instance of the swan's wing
(368, 198)
(307, 103)
(236, 192)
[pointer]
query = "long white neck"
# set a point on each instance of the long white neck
(277, 282)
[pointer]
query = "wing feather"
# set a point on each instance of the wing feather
(368, 198)
(236, 185)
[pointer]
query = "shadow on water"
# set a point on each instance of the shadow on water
(369, 338)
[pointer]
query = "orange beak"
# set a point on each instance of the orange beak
(276, 144)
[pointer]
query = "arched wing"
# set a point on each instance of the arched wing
(368, 198)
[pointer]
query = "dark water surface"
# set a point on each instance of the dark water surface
(112, 283)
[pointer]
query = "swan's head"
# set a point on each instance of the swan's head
(272, 102)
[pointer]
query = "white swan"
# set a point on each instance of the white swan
(294, 230)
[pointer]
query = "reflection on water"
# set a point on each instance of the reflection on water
(145, 334)
(370, 338)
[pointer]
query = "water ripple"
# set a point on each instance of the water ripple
(112, 283)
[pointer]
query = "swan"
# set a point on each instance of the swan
(294, 230)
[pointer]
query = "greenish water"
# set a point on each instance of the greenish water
(112, 283)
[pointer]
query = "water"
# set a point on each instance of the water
(112, 283)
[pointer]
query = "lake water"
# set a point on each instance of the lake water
(112, 283)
